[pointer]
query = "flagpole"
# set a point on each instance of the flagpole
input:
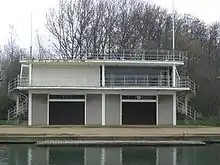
(173, 8)
(31, 48)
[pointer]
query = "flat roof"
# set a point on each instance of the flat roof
(102, 62)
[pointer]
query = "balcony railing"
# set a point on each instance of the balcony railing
(110, 81)
(147, 81)
(125, 55)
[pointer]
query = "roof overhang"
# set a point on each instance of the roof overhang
(101, 62)
(105, 88)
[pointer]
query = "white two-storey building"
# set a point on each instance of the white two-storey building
(126, 88)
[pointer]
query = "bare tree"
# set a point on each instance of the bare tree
(9, 64)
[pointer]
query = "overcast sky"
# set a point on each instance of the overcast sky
(17, 13)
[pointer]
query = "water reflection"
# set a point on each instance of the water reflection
(31, 155)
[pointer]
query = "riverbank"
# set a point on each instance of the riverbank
(104, 132)
(25, 134)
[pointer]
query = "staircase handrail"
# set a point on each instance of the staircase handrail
(13, 83)
(188, 111)
(178, 77)
(23, 96)
(21, 108)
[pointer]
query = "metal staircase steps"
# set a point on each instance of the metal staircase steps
(20, 110)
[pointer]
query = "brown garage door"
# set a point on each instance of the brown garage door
(67, 113)
(138, 113)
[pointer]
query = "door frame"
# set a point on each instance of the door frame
(64, 100)
(136, 100)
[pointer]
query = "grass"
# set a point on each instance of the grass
(204, 122)
(8, 122)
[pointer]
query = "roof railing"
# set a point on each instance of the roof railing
(125, 54)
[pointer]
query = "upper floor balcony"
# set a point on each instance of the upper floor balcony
(149, 57)
(110, 82)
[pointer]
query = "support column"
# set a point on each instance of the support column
(174, 108)
(103, 75)
(30, 74)
(17, 104)
(103, 96)
(174, 75)
(186, 108)
(157, 111)
(29, 108)
(103, 109)
(21, 73)
(168, 77)
(48, 109)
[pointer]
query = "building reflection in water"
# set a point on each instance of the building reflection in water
(26, 155)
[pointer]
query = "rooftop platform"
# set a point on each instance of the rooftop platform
(151, 57)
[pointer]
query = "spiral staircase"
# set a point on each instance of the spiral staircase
(183, 97)
(183, 108)
(19, 112)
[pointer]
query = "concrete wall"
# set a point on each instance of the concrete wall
(60, 75)
(165, 109)
(39, 109)
(94, 109)
(112, 109)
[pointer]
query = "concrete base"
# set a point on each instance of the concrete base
(117, 143)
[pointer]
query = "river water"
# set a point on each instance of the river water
(32, 155)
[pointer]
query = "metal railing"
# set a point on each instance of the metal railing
(12, 85)
(177, 77)
(110, 81)
(148, 81)
(16, 111)
(186, 110)
(20, 109)
(60, 82)
(187, 82)
(127, 55)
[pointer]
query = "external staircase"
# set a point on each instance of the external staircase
(183, 108)
(183, 98)
(18, 112)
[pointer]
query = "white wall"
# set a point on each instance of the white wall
(57, 75)
(165, 110)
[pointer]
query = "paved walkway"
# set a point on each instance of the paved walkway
(103, 132)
